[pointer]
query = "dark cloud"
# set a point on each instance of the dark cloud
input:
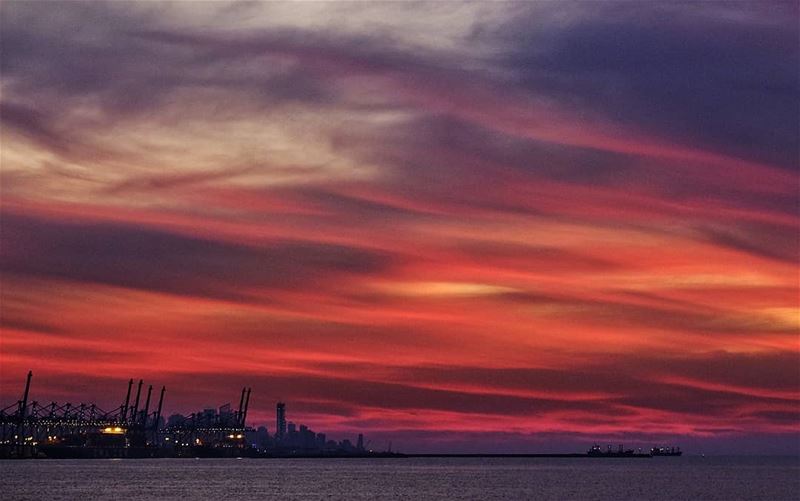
(636, 381)
(147, 259)
(355, 209)
(789, 417)
(335, 335)
(623, 388)
(168, 181)
(680, 317)
(398, 396)
(76, 354)
(459, 167)
(630, 393)
(45, 57)
(711, 79)
(687, 400)
(19, 321)
(123, 70)
(532, 258)
(725, 78)
(33, 124)
(631, 65)
(769, 370)
(460, 148)
(769, 241)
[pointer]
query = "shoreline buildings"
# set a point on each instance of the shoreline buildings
(293, 439)
(29, 429)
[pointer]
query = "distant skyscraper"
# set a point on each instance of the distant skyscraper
(360, 443)
(280, 429)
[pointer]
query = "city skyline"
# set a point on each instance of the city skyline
(460, 226)
(88, 430)
(34, 429)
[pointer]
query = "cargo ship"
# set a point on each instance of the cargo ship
(596, 451)
(665, 451)
(620, 452)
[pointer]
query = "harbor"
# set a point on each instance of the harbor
(137, 430)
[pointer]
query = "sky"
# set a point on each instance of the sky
(461, 227)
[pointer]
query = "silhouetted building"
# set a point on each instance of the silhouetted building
(175, 420)
(259, 438)
(280, 430)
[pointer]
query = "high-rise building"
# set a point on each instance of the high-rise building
(280, 428)
(360, 443)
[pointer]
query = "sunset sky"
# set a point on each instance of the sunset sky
(457, 226)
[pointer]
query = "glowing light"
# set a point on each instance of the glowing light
(445, 289)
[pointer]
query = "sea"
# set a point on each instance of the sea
(417, 479)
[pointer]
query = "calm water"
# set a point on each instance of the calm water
(418, 479)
